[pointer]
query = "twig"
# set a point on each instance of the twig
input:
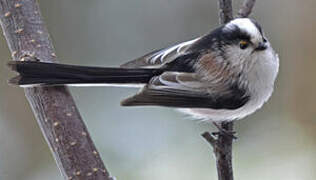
(223, 153)
(54, 108)
(225, 11)
(246, 8)
(210, 139)
(222, 145)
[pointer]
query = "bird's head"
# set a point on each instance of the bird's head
(242, 42)
(245, 33)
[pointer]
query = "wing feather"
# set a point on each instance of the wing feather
(192, 78)
(183, 90)
(160, 57)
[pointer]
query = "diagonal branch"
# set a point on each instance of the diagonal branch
(54, 107)
(246, 8)
(225, 11)
(222, 145)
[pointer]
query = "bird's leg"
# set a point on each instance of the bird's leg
(224, 132)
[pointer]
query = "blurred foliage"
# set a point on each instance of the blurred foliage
(277, 142)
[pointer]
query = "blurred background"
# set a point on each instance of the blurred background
(277, 142)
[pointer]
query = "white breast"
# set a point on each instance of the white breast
(261, 77)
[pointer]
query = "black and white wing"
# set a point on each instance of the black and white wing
(185, 90)
(159, 57)
(191, 78)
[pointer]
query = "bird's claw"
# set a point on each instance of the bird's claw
(224, 132)
(230, 134)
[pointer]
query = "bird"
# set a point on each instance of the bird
(224, 75)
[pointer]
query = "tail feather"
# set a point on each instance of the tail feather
(35, 73)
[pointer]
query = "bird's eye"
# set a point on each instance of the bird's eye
(243, 44)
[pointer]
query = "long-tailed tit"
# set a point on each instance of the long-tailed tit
(224, 75)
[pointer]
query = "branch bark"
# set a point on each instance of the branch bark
(225, 11)
(246, 8)
(54, 107)
(222, 145)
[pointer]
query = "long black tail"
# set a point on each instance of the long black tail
(39, 73)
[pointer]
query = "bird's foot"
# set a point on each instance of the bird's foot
(224, 132)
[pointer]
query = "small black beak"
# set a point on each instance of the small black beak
(261, 47)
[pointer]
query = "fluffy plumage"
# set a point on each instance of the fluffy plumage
(224, 75)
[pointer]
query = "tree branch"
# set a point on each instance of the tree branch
(222, 145)
(246, 8)
(54, 107)
(225, 11)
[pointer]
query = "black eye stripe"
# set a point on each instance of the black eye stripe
(221, 37)
(235, 34)
(257, 25)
